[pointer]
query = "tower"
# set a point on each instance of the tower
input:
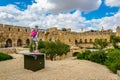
(102, 29)
(118, 31)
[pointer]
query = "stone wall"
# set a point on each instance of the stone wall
(8, 50)
(118, 31)
(12, 36)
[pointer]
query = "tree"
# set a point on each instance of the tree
(62, 48)
(31, 48)
(99, 43)
(92, 30)
(64, 29)
(114, 40)
(41, 44)
(53, 49)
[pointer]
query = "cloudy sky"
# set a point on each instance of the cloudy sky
(74, 14)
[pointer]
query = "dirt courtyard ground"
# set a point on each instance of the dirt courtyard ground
(67, 69)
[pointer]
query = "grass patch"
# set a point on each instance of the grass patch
(4, 56)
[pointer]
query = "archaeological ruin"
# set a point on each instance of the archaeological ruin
(17, 36)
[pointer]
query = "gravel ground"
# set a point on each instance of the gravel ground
(67, 69)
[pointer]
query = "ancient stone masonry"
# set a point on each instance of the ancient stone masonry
(12, 36)
(118, 31)
(16, 36)
(81, 39)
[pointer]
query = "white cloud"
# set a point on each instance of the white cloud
(107, 22)
(56, 6)
(111, 22)
(8, 14)
(64, 21)
(112, 3)
(35, 15)
(111, 13)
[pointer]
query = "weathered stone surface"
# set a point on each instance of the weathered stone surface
(8, 50)
(12, 36)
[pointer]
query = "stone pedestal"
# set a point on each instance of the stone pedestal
(33, 61)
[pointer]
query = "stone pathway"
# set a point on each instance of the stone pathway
(67, 69)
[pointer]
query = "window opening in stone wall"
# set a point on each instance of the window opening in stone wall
(26, 30)
(95, 40)
(76, 42)
(90, 40)
(8, 43)
(18, 30)
(19, 42)
(106, 40)
(27, 42)
(9, 29)
(69, 40)
(85, 40)
(80, 40)
(50, 39)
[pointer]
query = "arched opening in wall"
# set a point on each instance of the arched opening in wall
(18, 30)
(9, 29)
(26, 30)
(76, 42)
(50, 39)
(69, 40)
(19, 42)
(8, 43)
(90, 40)
(27, 42)
(85, 40)
(80, 40)
(95, 40)
(46, 33)
(75, 54)
(106, 40)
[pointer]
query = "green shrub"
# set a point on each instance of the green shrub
(64, 29)
(84, 55)
(109, 50)
(53, 49)
(61, 48)
(98, 56)
(115, 40)
(94, 57)
(113, 60)
(114, 66)
(114, 55)
(80, 56)
(110, 58)
(42, 50)
(41, 44)
(4, 56)
(100, 44)
(31, 48)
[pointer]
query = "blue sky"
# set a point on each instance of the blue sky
(88, 13)
(21, 4)
(102, 11)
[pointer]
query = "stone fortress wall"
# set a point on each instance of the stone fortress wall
(80, 39)
(16, 36)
